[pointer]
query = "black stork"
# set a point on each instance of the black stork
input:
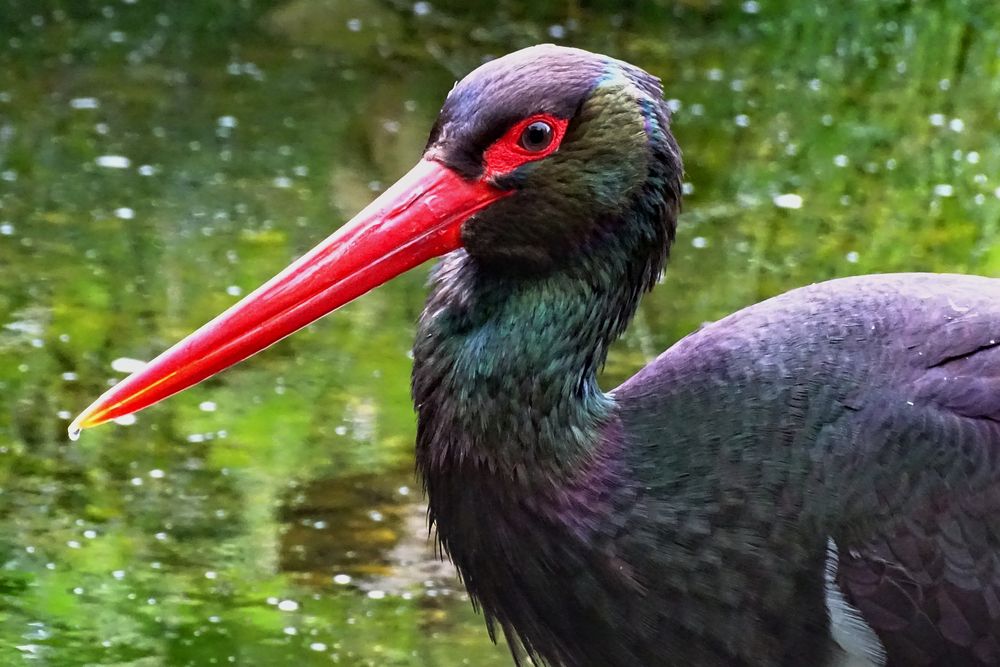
(810, 481)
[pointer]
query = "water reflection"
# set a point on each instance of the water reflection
(157, 162)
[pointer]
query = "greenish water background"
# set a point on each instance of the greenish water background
(159, 159)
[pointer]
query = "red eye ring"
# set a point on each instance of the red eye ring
(511, 151)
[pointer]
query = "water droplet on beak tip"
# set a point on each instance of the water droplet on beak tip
(75, 428)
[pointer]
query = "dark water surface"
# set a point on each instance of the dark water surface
(157, 160)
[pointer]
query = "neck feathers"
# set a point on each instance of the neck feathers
(505, 371)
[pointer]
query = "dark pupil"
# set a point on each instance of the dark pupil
(536, 136)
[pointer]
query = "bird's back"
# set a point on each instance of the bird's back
(867, 409)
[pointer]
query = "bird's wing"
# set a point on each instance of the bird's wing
(930, 586)
(927, 579)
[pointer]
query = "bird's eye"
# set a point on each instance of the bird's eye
(531, 139)
(536, 137)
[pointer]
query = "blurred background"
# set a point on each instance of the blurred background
(158, 160)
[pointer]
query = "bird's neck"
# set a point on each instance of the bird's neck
(505, 368)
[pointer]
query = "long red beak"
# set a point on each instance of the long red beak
(418, 218)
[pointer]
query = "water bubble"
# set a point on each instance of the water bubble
(788, 200)
(742, 120)
(207, 406)
(288, 605)
(937, 119)
(125, 420)
(318, 646)
(124, 213)
(342, 579)
(227, 121)
(841, 160)
(211, 574)
(290, 631)
(956, 125)
(376, 594)
(156, 473)
(354, 25)
(84, 103)
(944, 190)
(699, 242)
(421, 8)
(128, 365)
(113, 161)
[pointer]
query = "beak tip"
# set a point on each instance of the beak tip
(84, 420)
